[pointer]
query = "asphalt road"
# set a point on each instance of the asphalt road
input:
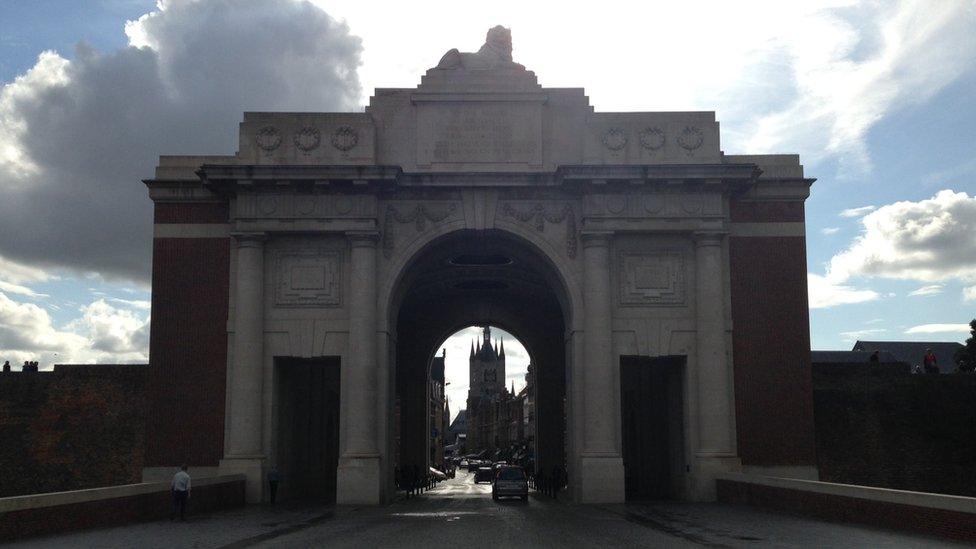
(459, 513)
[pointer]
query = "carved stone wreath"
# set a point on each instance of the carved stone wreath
(538, 217)
(691, 138)
(420, 215)
(652, 139)
(268, 138)
(307, 139)
(614, 139)
(345, 138)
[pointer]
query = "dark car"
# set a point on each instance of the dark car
(510, 482)
(484, 474)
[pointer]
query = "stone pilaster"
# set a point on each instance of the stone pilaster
(243, 450)
(716, 450)
(601, 465)
(359, 479)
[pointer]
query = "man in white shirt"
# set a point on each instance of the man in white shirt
(181, 492)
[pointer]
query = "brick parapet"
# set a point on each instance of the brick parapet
(46, 514)
(933, 514)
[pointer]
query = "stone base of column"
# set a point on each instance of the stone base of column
(359, 480)
(250, 467)
(703, 473)
(601, 479)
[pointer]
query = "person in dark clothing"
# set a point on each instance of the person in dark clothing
(273, 478)
(6, 367)
(875, 357)
(930, 363)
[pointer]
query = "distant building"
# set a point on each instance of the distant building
(457, 433)
(438, 413)
(911, 352)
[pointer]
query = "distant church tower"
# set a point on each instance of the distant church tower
(486, 367)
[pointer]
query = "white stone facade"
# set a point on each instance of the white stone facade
(629, 211)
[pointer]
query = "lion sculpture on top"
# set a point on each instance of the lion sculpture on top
(495, 54)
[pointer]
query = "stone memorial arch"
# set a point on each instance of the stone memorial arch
(300, 287)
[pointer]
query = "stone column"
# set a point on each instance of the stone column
(243, 451)
(716, 435)
(601, 465)
(359, 476)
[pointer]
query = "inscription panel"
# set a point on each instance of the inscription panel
(307, 278)
(652, 278)
(479, 133)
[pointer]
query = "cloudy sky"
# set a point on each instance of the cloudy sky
(876, 97)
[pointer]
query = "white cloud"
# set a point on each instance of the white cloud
(824, 293)
(808, 77)
(933, 289)
(102, 334)
(830, 230)
(134, 303)
(19, 273)
(12, 288)
(860, 334)
(969, 293)
(77, 136)
(112, 330)
(854, 66)
(938, 329)
(857, 212)
(930, 240)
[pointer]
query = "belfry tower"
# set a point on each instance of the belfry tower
(486, 367)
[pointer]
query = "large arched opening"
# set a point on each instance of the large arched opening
(479, 278)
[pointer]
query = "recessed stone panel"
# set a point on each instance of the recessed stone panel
(479, 133)
(307, 278)
(655, 278)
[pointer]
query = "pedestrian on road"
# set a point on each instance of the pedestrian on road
(181, 493)
(273, 478)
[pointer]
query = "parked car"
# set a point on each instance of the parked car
(484, 474)
(510, 482)
(463, 463)
(473, 465)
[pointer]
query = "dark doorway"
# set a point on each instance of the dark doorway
(650, 400)
(307, 448)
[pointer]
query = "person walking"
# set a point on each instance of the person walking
(930, 363)
(181, 493)
(273, 478)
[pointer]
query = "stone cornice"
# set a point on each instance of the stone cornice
(229, 178)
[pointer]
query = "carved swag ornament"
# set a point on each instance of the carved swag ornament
(420, 215)
(538, 217)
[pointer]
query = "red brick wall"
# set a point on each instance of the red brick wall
(191, 212)
(912, 518)
(116, 511)
(771, 343)
(188, 342)
(81, 426)
(765, 212)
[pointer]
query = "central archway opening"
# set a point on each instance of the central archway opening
(480, 279)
